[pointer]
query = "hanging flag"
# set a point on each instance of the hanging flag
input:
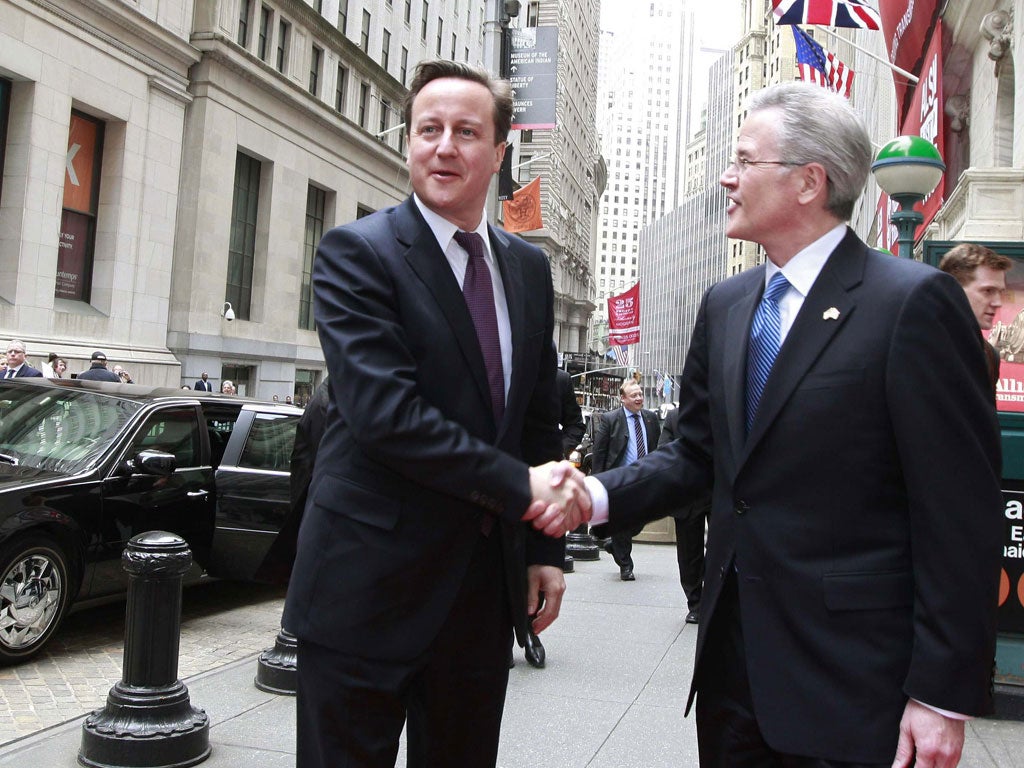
(828, 13)
(624, 317)
(621, 354)
(506, 184)
(522, 212)
(816, 65)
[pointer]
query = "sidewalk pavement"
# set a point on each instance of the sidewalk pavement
(618, 670)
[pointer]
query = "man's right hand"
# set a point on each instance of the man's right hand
(561, 502)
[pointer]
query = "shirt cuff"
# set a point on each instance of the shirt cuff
(945, 712)
(598, 499)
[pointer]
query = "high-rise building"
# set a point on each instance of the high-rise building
(644, 118)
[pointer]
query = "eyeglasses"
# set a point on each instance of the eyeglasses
(740, 164)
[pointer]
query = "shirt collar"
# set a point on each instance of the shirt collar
(444, 230)
(803, 269)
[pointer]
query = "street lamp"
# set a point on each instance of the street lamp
(908, 168)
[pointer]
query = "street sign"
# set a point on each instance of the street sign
(533, 71)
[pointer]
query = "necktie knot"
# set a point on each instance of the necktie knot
(776, 287)
(471, 242)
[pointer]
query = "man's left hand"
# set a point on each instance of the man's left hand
(935, 740)
(549, 580)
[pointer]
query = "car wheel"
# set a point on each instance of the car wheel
(34, 595)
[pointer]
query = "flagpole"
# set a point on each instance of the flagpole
(875, 56)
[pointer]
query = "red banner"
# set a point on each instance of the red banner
(82, 160)
(624, 317)
(906, 25)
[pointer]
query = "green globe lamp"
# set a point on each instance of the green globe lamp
(908, 168)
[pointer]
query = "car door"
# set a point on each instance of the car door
(182, 502)
(252, 489)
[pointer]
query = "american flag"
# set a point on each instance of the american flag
(816, 65)
(828, 13)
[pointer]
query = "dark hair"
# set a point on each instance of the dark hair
(963, 259)
(501, 91)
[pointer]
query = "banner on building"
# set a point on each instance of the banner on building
(907, 27)
(624, 317)
(533, 71)
(522, 212)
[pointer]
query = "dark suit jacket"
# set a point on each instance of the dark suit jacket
(204, 386)
(862, 512)
(570, 413)
(411, 459)
(613, 433)
(27, 370)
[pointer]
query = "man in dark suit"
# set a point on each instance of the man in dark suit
(624, 436)
(203, 384)
(16, 365)
(413, 563)
(981, 272)
(842, 418)
(570, 414)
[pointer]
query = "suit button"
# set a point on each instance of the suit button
(741, 507)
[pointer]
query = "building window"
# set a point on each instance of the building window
(244, 9)
(316, 204)
(423, 21)
(526, 136)
(454, 44)
(532, 14)
(341, 89)
(363, 211)
(282, 46)
(306, 381)
(364, 103)
(408, 11)
(524, 173)
(385, 50)
(343, 16)
(315, 58)
(242, 247)
(405, 64)
(319, 5)
(263, 43)
(81, 202)
(440, 33)
(385, 116)
(364, 35)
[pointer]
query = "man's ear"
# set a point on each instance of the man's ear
(499, 155)
(813, 183)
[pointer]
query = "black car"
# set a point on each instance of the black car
(84, 466)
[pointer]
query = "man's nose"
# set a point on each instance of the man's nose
(446, 145)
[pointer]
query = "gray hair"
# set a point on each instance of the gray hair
(818, 126)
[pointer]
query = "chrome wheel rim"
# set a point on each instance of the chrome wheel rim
(30, 595)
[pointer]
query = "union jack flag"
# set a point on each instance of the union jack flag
(816, 65)
(828, 13)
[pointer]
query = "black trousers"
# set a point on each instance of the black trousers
(728, 735)
(350, 710)
(690, 554)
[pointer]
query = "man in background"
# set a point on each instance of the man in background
(98, 369)
(622, 437)
(203, 384)
(16, 365)
(981, 272)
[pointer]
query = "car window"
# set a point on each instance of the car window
(60, 430)
(175, 431)
(270, 441)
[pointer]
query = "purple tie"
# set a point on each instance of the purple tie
(479, 293)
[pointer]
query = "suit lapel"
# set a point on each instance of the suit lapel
(814, 328)
(427, 260)
(734, 363)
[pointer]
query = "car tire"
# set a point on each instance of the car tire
(35, 589)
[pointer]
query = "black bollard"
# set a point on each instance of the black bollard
(276, 668)
(582, 545)
(148, 721)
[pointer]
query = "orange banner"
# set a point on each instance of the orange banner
(522, 212)
(80, 164)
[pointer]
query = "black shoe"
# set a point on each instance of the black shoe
(534, 651)
(626, 573)
(693, 617)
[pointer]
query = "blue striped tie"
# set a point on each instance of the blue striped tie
(764, 342)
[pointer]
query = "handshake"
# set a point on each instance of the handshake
(561, 501)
